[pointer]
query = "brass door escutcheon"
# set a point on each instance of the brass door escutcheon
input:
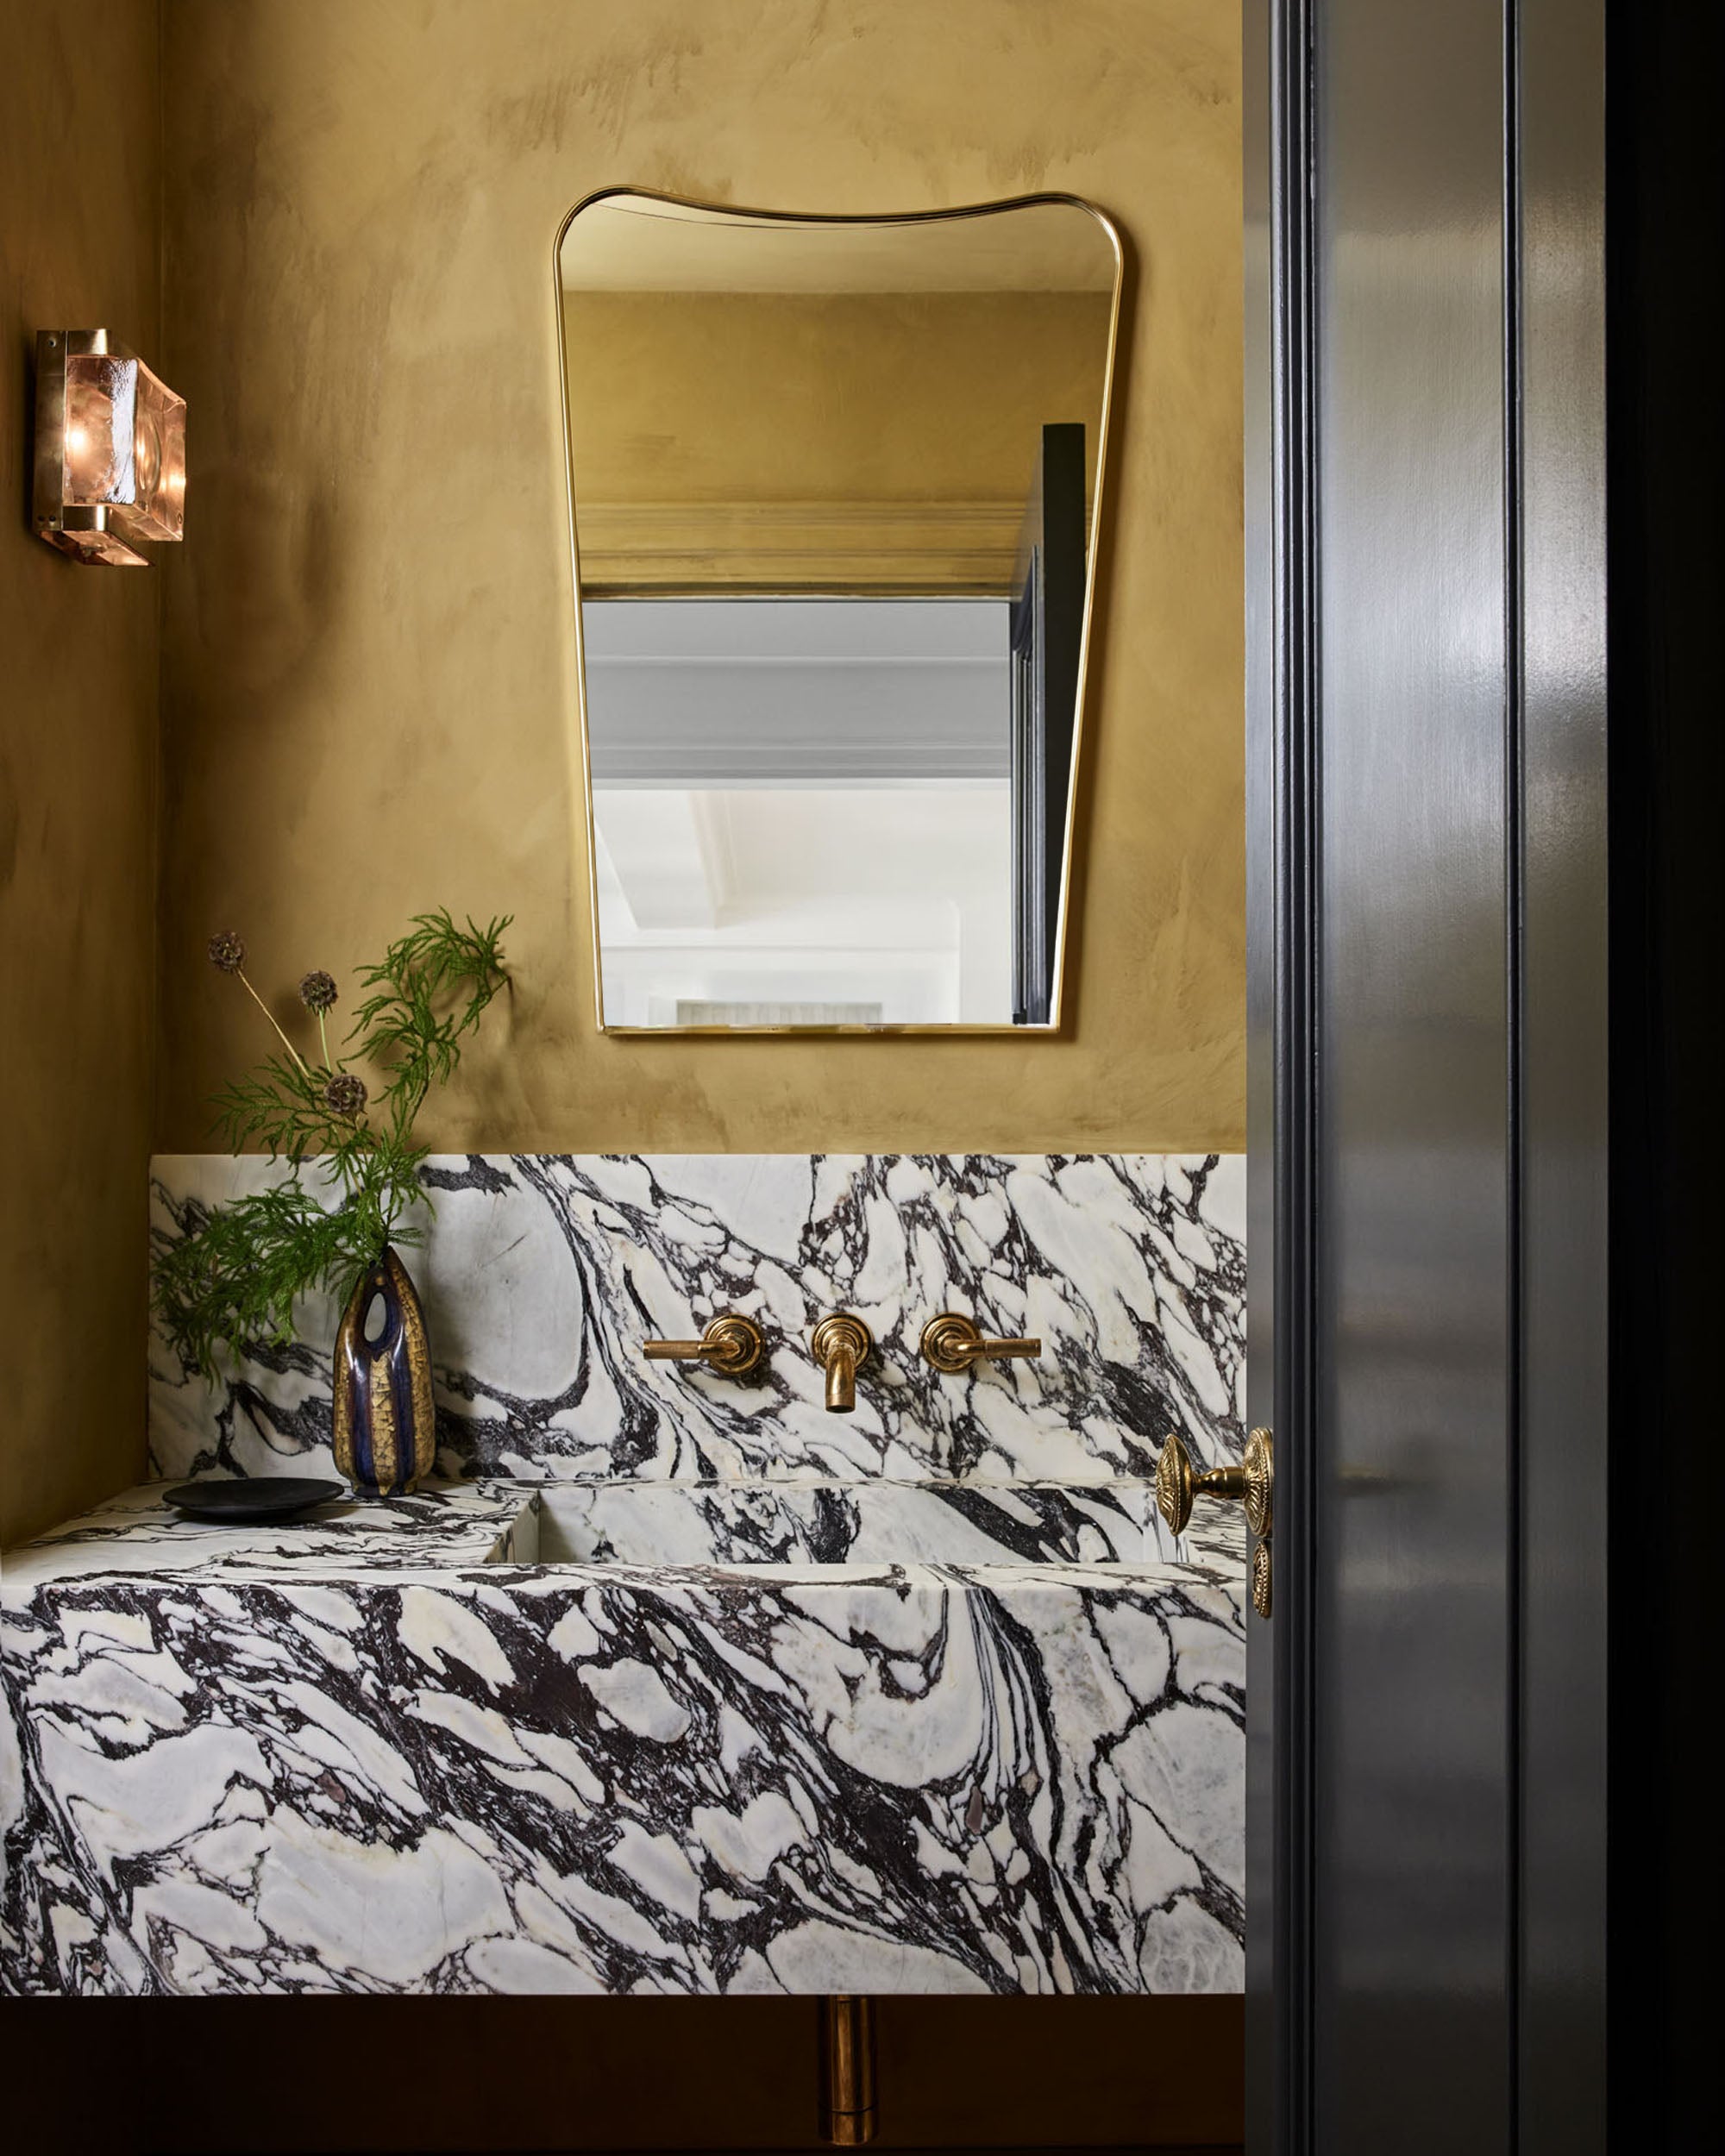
(1260, 1484)
(1178, 1485)
(1261, 1579)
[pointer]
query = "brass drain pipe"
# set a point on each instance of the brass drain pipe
(847, 2070)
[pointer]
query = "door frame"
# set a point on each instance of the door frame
(1555, 867)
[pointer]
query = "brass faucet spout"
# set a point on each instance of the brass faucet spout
(841, 1383)
(840, 1342)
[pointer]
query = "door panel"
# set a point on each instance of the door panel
(1413, 1523)
(1426, 872)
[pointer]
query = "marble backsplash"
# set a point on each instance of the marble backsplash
(544, 1274)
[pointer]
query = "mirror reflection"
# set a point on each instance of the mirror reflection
(835, 491)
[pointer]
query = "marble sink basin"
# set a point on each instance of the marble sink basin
(860, 1523)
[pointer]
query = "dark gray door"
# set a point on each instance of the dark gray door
(1426, 1879)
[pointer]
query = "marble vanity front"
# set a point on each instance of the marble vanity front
(668, 1696)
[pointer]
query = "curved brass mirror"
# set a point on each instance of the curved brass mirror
(834, 489)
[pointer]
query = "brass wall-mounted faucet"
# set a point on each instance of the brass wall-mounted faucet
(731, 1346)
(840, 1342)
(954, 1343)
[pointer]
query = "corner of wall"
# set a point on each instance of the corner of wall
(80, 779)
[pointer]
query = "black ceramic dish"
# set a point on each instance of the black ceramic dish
(260, 1497)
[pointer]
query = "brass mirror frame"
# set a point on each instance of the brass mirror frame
(1110, 230)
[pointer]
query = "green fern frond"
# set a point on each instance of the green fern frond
(238, 1271)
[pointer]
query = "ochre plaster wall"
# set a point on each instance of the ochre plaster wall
(79, 248)
(690, 397)
(368, 666)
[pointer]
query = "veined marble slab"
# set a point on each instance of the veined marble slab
(452, 1526)
(545, 1273)
(779, 1778)
(918, 1699)
(875, 1523)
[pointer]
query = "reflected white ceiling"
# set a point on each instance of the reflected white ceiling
(797, 692)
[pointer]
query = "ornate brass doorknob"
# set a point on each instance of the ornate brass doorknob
(732, 1344)
(1178, 1485)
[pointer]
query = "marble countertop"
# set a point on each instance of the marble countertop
(443, 1527)
(855, 1530)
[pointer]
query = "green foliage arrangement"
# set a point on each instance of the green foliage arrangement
(238, 1271)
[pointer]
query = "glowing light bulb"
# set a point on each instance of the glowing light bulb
(110, 455)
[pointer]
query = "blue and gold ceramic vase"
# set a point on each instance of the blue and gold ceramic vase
(385, 1424)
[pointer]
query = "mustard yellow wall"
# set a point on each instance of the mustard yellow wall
(690, 397)
(80, 233)
(368, 666)
(914, 415)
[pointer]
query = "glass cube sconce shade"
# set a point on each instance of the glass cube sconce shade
(110, 449)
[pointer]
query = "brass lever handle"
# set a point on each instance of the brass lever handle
(1178, 1485)
(733, 1345)
(953, 1344)
(839, 1342)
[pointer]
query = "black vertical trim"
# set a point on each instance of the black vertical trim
(1047, 639)
(1664, 331)
(1515, 916)
(1265, 2045)
(1297, 1076)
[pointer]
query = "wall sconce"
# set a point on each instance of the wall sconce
(110, 449)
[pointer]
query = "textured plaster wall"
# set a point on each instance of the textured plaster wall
(368, 668)
(79, 242)
(688, 397)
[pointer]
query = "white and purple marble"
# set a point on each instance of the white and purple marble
(544, 1273)
(869, 1523)
(672, 1685)
(445, 1524)
(682, 1777)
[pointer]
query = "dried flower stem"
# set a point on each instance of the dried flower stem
(236, 1272)
(270, 1015)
